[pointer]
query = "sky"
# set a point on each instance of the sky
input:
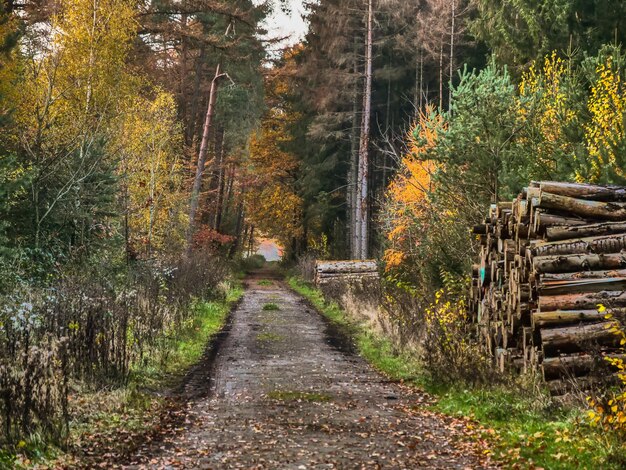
(291, 25)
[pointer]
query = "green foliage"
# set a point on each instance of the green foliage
(183, 347)
(520, 31)
(270, 307)
(252, 263)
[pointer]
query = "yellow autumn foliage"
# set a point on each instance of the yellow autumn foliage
(407, 195)
(609, 411)
(152, 171)
(543, 104)
(605, 131)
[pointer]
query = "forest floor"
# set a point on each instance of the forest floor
(285, 390)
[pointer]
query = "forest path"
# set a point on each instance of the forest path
(284, 394)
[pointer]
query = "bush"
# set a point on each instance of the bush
(252, 262)
(608, 410)
(89, 327)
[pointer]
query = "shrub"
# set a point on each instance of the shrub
(608, 410)
(89, 327)
(252, 262)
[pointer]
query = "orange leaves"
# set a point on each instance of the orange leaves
(393, 259)
(407, 195)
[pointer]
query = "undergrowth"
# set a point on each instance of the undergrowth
(110, 420)
(524, 426)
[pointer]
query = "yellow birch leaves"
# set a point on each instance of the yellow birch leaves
(605, 131)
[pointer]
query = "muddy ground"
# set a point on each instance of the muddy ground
(283, 392)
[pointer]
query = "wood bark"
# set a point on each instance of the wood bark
(582, 275)
(615, 211)
(573, 263)
(332, 267)
(567, 232)
(573, 337)
(584, 301)
(576, 364)
(452, 44)
(542, 220)
(202, 154)
(548, 261)
(581, 286)
(353, 170)
(362, 209)
(584, 191)
(601, 244)
(568, 317)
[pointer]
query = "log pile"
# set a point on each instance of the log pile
(327, 272)
(548, 259)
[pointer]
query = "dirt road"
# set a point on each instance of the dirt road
(283, 395)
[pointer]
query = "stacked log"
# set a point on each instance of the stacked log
(548, 261)
(345, 271)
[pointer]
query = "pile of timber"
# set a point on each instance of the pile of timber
(327, 272)
(548, 260)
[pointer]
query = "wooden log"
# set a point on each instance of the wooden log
(567, 232)
(583, 275)
(584, 208)
(574, 337)
(600, 244)
(325, 276)
(561, 387)
(542, 220)
(573, 263)
(568, 317)
(584, 191)
(577, 364)
(559, 287)
(586, 301)
(346, 266)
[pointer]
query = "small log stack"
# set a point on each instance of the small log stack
(548, 259)
(327, 272)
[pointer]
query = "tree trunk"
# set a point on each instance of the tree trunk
(190, 131)
(197, 184)
(452, 33)
(353, 170)
(577, 276)
(362, 211)
(441, 75)
(334, 267)
(216, 177)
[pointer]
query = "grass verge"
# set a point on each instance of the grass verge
(524, 430)
(106, 424)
